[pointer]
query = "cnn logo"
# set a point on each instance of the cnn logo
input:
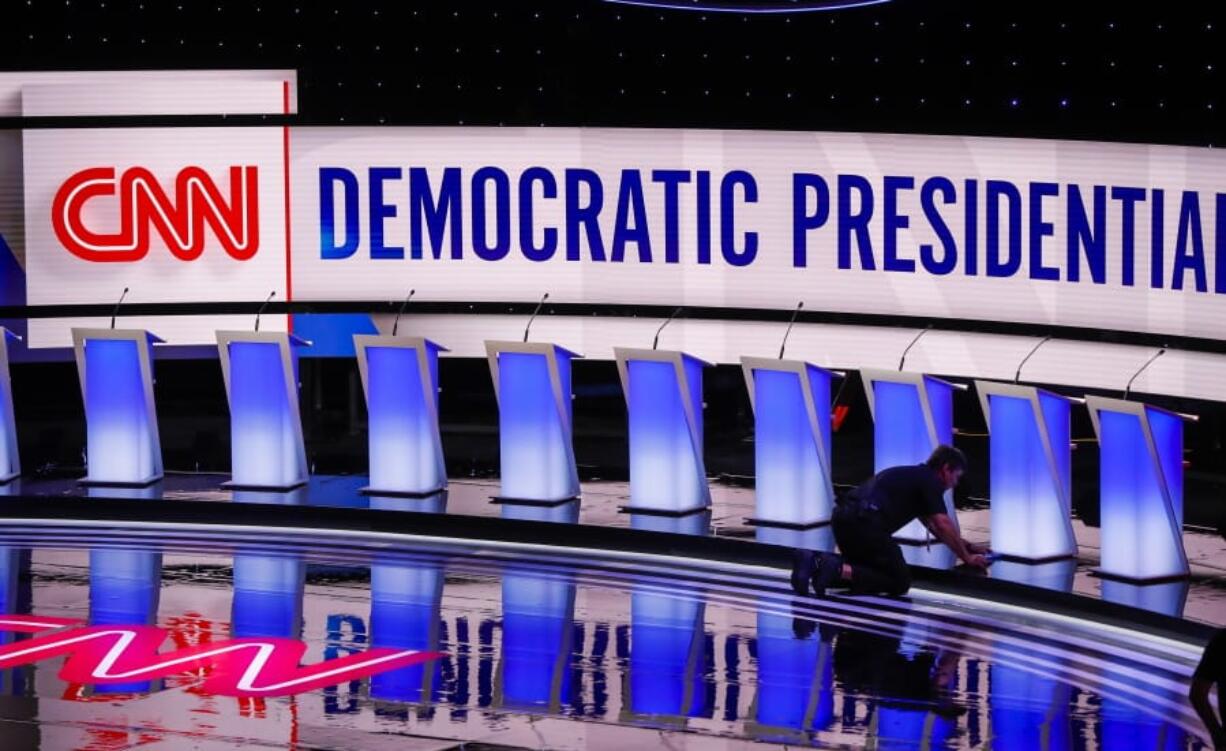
(144, 208)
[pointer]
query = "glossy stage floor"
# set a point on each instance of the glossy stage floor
(508, 630)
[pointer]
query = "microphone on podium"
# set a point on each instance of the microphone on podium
(532, 317)
(1141, 370)
(655, 342)
(403, 305)
(115, 310)
(1018, 375)
(261, 310)
(795, 313)
(903, 360)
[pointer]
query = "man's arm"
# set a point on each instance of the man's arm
(943, 528)
(1199, 695)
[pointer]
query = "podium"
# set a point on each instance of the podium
(121, 429)
(538, 630)
(400, 380)
(1031, 471)
(791, 405)
(535, 437)
(913, 414)
(1141, 489)
(10, 461)
(663, 391)
(261, 376)
(405, 613)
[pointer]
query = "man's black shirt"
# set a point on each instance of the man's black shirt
(902, 494)
(1212, 667)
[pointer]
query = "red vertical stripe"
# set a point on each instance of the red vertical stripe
(289, 278)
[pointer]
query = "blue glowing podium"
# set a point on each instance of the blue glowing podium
(791, 404)
(913, 413)
(536, 451)
(10, 461)
(400, 380)
(1141, 489)
(260, 369)
(121, 428)
(1031, 470)
(663, 391)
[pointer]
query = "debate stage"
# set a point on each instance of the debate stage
(623, 631)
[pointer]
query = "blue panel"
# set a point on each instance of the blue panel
(1137, 539)
(263, 437)
(1167, 430)
(331, 334)
(1028, 516)
(267, 595)
(118, 434)
(1028, 710)
(941, 401)
(790, 671)
(790, 484)
(664, 462)
(1057, 415)
(123, 589)
(1167, 598)
(1057, 575)
(562, 513)
(534, 447)
(433, 504)
(900, 435)
(12, 291)
(1124, 725)
(667, 655)
(403, 443)
(818, 538)
(537, 626)
(404, 614)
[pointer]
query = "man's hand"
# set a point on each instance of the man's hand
(980, 548)
(977, 561)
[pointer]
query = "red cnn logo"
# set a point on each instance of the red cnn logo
(144, 205)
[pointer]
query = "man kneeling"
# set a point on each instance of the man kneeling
(864, 524)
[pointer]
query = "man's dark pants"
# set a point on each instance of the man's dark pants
(877, 564)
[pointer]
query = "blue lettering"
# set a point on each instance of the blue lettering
(949, 260)
(1081, 235)
(630, 201)
(703, 218)
(1189, 244)
(727, 224)
(857, 224)
(1157, 207)
(1128, 198)
(993, 192)
(972, 227)
(380, 211)
(527, 234)
(502, 214)
(448, 211)
(328, 178)
(585, 217)
(802, 220)
(1219, 244)
(894, 222)
(671, 179)
(1040, 229)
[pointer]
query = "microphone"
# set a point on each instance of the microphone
(656, 341)
(403, 305)
(795, 313)
(1018, 375)
(1141, 369)
(261, 310)
(532, 317)
(903, 360)
(115, 310)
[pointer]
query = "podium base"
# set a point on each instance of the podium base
(1034, 561)
(5, 480)
(661, 512)
(89, 482)
(368, 490)
(756, 522)
(1167, 579)
(232, 485)
(505, 501)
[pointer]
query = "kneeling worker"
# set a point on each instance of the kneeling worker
(866, 520)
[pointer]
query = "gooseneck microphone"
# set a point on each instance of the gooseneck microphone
(115, 310)
(655, 342)
(903, 360)
(261, 310)
(1018, 375)
(787, 333)
(403, 305)
(1141, 370)
(532, 317)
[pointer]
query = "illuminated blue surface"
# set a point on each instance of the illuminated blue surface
(124, 586)
(1057, 574)
(795, 676)
(1029, 710)
(1167, 598)
(267, 595)
(817, 538)
(1122, 726)
(10, 462)
(1029, 485)
(405, 451)
(537, 633)
(789, 460)
(901, 434)
(266, 444)
(1141, 537)
(119, 438)
(405, 602)
(536, 456)
(668, 655)
(666, 452)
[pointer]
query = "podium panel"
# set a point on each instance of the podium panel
(535, 437)
(400, 381)
(10, 461)
(1031, 471)
(663, 391)
(913, 413)
(1141, 486)
(261, 376)
(121, 431)
(793, 481)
